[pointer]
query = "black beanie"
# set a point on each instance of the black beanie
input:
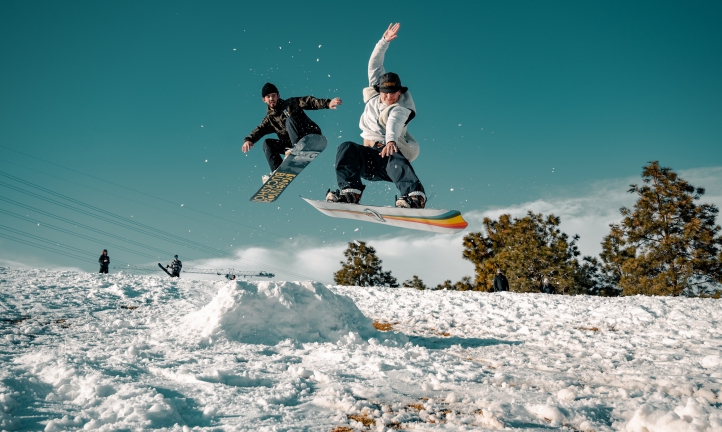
(268, 88)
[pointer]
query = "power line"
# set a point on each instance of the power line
(104, 242)
(78, 224)
(125, 222)
(141, 203)
(51, 242)
(29, 243)
(146, 194)
(142, 228)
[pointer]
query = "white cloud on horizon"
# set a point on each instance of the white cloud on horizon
(435, 258)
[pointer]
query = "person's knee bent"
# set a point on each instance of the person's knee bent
(348, 146)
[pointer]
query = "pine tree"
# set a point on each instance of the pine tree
(528, 249)
(465, 284)
(666, 244)
(447, 285)
(415, 282)
(363, 268)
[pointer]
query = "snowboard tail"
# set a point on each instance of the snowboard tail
(302, 154)
(164, 269)
(433, 220)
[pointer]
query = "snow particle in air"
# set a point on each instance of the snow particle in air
(452, 189)
(206, 160)
(319, 46)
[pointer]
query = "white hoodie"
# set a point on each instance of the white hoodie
(374, 123)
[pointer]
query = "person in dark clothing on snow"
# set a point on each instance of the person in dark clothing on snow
(388, 148)
(547, 288)
(175, 267)
(500, 282)
(287, 119)
(104, 261)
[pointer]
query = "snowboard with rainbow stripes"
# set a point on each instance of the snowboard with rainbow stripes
(438, 221)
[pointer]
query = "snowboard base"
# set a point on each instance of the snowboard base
(302, 154)
(433, 220)
(164, 269)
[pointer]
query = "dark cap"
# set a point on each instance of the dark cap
(267, 89)
(175, 256)
(105, 250)
(390, 83)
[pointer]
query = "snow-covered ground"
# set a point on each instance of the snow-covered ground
(123, 352)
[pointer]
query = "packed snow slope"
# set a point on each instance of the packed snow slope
(123, 352)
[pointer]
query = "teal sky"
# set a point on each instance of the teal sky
(517, 101)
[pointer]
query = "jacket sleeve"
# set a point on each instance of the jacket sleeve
(398, 117)
(263, 129)
(376, 62)
(311, 103)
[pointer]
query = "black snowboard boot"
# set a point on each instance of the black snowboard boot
(412, 200)
(350, 196)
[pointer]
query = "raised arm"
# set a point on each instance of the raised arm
(376, 62)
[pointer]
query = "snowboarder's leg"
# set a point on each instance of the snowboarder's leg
(298, 129)
(273, 149)
(350, 165)
(400, 171)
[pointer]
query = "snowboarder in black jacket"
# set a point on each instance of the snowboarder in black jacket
(175, 267)
(104, 261)
(287, 119)
(500, 282)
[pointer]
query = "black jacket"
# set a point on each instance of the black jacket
(547, 289)
(102, 259)
(176, 266)
(275, 120)
(500, 283)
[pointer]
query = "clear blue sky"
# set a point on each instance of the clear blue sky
(516, 101)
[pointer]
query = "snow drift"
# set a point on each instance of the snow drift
(269, 312)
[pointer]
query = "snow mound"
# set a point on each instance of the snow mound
(270, 312)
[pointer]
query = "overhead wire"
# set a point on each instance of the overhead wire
(29, 243)
(51, 242)
(73, 233)
(145, 193)
(122, 221)
(142, 228)
(135, 201)
(79, 224)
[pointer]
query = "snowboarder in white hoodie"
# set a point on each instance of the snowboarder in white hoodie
(388, 148)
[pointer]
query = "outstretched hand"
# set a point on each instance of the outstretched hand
(247, 146)
(392, 32)
(334, 103)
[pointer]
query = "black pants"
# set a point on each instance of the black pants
(103, 269)
(274, 148)
(354, 161)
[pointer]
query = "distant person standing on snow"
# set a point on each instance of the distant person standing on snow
(287, 119)
(175, 267)
(547, 288)
(104, 261)
(500, 282)
(388, 148)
